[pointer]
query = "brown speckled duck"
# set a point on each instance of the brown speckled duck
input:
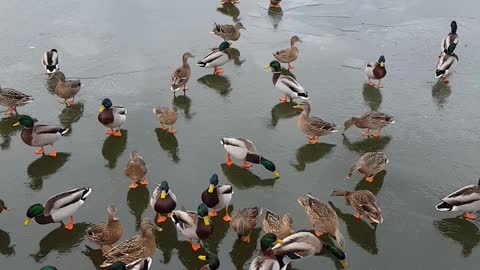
(181, 75)
(228, 31)
(370, 120)
(279, 226)
(244, 221)
(106, 234)
(376, 71)
(12, 99)
(369, 164)
(275, 3)
(136, 170)
(362, 201)
(166, 116)
(312, 126)
(66, 89)
(288, 55)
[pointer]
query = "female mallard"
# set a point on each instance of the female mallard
(376, 71)
(138, 247)
(181, 75)
(446, 64)
(244, 149)
(245, 220)
(228, 31)
(3, 207)
(304, 244)
(166, 116)
(217, 58)
(195, 226)
(286, 83)
(50, 61)
(370, 120)
(163, 201)
(217, 197)
(112, 116)
(364, 202)
(275, 3)
(106, 234)
(58, 207)
(40, 135)
(369, 164)
(140, 264)
(266, 260)
(323, 218)
(451, 38)
(312, 126)
(136, 170)
(213, 263)
(466, 199)
(66, 89)
(288, 55)
(12, 99)
(279, 226)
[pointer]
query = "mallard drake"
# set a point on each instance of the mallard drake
(12, 99)
(466, 199)
(244, 149)
(40, 135)
(217, 58)
(369, 164)
(376, 71)
(112, 116)
(217, 197)
(446, 64)
(323, 218)
(370, 120)
(137, 248)
(244, 221)
(213, 263)
(48, 267)
(3, 207)
(66, 89)
(302, 245)
(181, 75)
(312, 126)
(279, 226)
(136, 170)
(364, 202)
(50, 61)
(58, 207)
(166, 116)
(106, 234)
(140, 264)
(286, 83)
(275, 3)
(193, 225)
(228, 31)
(449, 39)
(266, 260)
(163, 201)
(288, 55)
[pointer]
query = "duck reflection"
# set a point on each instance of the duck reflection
(95, 255)
(464, 232)
(169, 143)
(372, 97)
(51, 83)
(137, 200)
(219, 83)
(7, 130)
(188, 258)
(283, 110)
(219, 233)
(60, 240)
(242, 178)
(440, 92)
(310, 153)
(231, 10)
(113, 148)
(368, 144)
(167, 241)
(360, 231)
(275, 14)
(184, 103)
(242, 252)
(43, 167)
(71, 114)
(5, 247)
(373, 187)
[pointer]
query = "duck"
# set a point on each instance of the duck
(244, 149)
(449, 39)
(193, 225)
(108, 233)
(40, 135)
(181, 75)
(288, 55)
(112, 117)
(228, 31)
(275, 3)
(58, 207)
(12, 99)
(163, 201)
(323, 218)
(139, 247)
(213, 263)
(217, 197)
(66, 89)
(217, 58)
(245, 220)
(376, 71)
(266, 260)
(465, 199)
(281, 226)
(301, 245)
(3, 207)
(136, 170)
(140, 264)
(446, 64)
(370, 120)
(369, 164)
(313, 126)
(287, 84)
(166, 116)
(364, 202)
(50, 61)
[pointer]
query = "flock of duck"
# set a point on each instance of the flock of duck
(279, 244)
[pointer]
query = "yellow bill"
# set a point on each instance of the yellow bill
(279, 242)
(276, 174)
(27, 221)
(16, 124)
(296, 107)
(211, 188)
(267, 67)
(382, 64)
(102, 108)
(202, 258)
(206, 221)
(344, 263)
(163, 195)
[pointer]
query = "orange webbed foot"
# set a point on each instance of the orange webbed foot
(173, 131)
(365, 133)
(283, 99)
(110, 132)
(379, 86)
(39, 151)
(161, 219)
(144, 181)
(371, 83)
(62, 101)
(376, 135)
(196, 246)
(71, 102)
(313, 141)
(69, 226)
(133, 185)
(357, 216)
(246, 165)
(213, 213)
(246, 239)
(469, 216)
(227, 218)
(117, 133)
(318, 234)
(369, 179)
(53, 153)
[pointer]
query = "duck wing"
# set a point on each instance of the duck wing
(66, 198)
(465, 195)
